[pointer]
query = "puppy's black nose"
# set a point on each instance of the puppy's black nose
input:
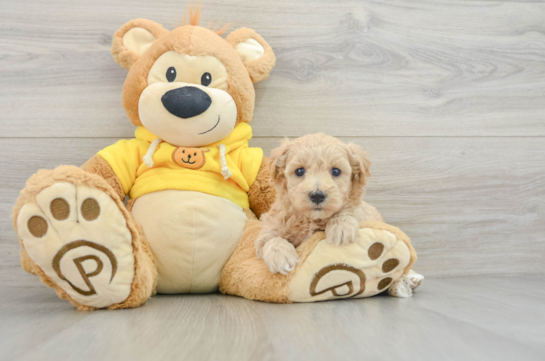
(317, 197)
(186, 102)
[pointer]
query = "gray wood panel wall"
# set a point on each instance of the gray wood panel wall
(447, 97)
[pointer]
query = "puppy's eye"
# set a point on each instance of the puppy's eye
(206, 79)
(335, 172)
(171, 74)
(300, 172)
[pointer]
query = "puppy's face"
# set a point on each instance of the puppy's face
(319, 174)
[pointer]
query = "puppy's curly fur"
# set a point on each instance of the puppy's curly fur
(334, 171)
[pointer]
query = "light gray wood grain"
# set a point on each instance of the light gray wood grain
(448, 98)
(448, 319)
(469, 68)
(520, 300)
(470, 205)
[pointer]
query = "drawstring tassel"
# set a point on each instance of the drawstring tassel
(225, 171)
(148, 158)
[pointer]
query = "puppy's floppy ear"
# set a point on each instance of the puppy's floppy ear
(256, 55)
(360, 164)
(134, 39)
(278, 160)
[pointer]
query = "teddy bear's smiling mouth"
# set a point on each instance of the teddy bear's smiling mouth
(209, 130)
(188, 162)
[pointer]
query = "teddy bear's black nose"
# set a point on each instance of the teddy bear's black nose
(186, 102)
(317, 197)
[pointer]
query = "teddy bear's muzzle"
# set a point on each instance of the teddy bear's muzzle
(186, 102)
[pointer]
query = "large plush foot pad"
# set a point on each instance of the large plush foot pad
(380, 255)
(78, 236)
(364, 268)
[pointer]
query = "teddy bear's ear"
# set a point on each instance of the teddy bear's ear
(254, 52)
(133, 39)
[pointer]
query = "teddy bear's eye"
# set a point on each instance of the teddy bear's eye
(335, 172)
(171, 74)
(195, 154)
(206, 79)
(300, 172)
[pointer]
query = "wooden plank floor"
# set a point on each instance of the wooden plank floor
(348, 67)
(466, 318)
(447, 97)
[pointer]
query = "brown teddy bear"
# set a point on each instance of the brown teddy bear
(193, 183)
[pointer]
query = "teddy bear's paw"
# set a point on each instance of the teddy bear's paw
(367, 266)
(279, 256)
(79, 237)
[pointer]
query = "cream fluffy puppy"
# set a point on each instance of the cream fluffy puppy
(319, 187)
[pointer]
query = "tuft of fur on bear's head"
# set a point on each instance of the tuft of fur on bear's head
(189, 86)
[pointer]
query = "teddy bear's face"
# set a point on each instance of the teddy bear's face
(186, 101)
(190, 87)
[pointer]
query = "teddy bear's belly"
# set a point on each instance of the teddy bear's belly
(191, 235)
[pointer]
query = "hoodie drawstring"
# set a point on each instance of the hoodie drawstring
(148, 158)
(225, 171)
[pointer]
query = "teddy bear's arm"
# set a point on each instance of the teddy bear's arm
(261, 194)
(97, 165)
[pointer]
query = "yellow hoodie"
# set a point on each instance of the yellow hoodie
(184, 168)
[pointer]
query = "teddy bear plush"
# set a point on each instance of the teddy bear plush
(196, 190)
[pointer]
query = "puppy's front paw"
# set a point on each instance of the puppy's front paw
(341, 230)
(279, 256)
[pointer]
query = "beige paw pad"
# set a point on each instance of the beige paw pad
(364, 268)
(79, 238)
